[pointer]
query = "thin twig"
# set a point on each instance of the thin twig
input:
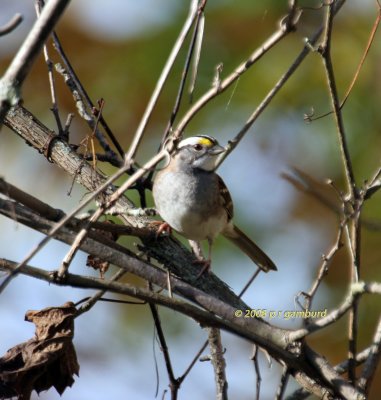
(104, 157)
(359, 67)
(371, 362)
(360, 359)
(341, 368)
(282, 384)
(373, 185)
(92, 118)
(218, 362)
(184, 75)
(11, 25)
(354, 239)
(90, 303)
(39, 6)
(85, 99)
(65, 133)
(196, 58)
(205, 345)
(193, 362)
(180, 91)
(285, 28)
(307, 184)
(161, 81)
(323, 270)
(258, 380)
(357, 290)
(174, 383)
(325, 51)
(276, 88)
(12, 80)
(354, 232)
(249, 282)
(69, 257)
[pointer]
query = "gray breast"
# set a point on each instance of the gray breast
(186, 201)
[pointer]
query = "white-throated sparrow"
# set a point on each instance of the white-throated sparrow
(193, 200)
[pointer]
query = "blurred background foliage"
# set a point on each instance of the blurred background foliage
(118, 49)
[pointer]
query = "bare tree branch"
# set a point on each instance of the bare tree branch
(174, 384)
(10, 83)
(85, 101)
(163, 77)
(39, 5)
(371, 362)
(218, 362)
(282, 384)
(353, 194)
(358, 289)
(11, 25)
(287, 25)
(341, 368)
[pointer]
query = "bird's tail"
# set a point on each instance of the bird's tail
(257, 255)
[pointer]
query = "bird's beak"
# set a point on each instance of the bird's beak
(216, 149)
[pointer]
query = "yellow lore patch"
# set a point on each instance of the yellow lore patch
(205, 142)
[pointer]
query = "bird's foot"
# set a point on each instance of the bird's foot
(162, 227)
(206, 266)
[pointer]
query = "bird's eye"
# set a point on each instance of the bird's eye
(197, 147)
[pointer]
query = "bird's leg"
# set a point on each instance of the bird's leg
(197, 251)
(206, 263)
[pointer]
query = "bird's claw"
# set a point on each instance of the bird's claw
(206, 267)
(163, 227)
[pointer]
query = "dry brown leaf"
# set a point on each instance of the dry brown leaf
(45, 361)
(96, 262)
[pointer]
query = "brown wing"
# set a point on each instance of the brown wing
(226, 198)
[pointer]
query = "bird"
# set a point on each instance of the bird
(193, 200)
